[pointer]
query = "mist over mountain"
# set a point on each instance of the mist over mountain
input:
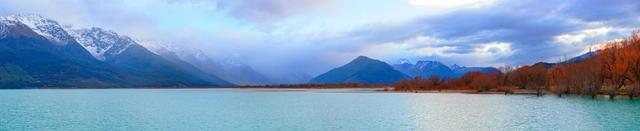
(226, 69)
(293, 77)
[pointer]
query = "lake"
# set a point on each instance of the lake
(305, 109)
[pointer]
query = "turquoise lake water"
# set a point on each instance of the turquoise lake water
(302, 109)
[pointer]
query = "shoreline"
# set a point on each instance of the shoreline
(169, 88)
(373, 89)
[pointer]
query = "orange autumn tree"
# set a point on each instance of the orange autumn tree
(483, 81)
(631, 53)
(589, 77)
(616, 66)
(530, 77)
(560, 78)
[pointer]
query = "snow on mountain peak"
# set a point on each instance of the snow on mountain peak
(163, 47)
(4, 29)
(430, 65)
(50, 29)
(101, 43)
(405, 61)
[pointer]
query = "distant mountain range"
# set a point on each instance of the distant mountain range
(425, 69)
(38, 52)
(461, 70)
(367, 70)
(361, 70)
(435, 68)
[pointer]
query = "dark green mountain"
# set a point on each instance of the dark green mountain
(361, 70)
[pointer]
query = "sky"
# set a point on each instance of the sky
(314, 36)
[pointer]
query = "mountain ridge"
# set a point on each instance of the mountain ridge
(361, 70)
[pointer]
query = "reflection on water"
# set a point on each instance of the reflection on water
(304, 109)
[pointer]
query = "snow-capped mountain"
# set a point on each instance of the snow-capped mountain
(38, 52)
(405, 61)
(123, 52)
(101, 43)
(424, 69)
(50, 29)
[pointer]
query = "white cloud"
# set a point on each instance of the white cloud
(494, 49)
(569, 38)
(581, 36)
(597, 31)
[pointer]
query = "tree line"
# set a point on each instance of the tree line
(613, 70)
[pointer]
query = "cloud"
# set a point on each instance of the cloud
(519, 32)
(507, 33)
(270, 10)
(260, 11)
(580, 36)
